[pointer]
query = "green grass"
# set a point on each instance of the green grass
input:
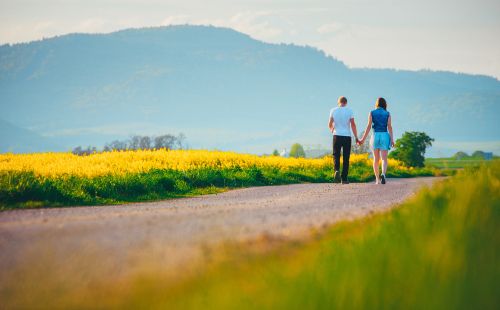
(452, 163)
(25, 190)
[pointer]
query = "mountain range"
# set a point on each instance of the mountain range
(223, 90)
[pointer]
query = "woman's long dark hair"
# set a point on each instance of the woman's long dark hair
(381, 103)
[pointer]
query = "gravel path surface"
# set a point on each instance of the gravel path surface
(117, 239)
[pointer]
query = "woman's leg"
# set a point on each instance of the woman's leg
(376, 159)
(383, 153)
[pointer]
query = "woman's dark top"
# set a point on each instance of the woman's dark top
(380, 117)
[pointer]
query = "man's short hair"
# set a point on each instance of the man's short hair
(342, 100)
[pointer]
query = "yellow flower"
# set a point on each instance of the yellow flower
(123, 162)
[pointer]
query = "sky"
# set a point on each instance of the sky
(452, 35)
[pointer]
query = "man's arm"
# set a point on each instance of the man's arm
(354, 130)
(330, 124)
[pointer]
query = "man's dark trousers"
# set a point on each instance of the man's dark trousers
(344, 143)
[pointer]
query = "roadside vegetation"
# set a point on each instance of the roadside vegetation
(59, 179)
(438, 250)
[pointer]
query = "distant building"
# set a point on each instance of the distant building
(488, 155)
(284, 153)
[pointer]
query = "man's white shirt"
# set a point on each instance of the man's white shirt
(342, 120)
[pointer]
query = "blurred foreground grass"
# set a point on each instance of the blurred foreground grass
(440, 250)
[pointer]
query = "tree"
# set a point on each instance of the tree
(181, 141)
(478, 154)
(81, 151)
(165, 142)
(460, 155)
(77, 150)
(145, 143)
(297, 151)
(410, 148)
(276, 153)
(115, 145)
(134, 143)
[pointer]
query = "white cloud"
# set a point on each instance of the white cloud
(176, 20)
(331, 28)
(258, 24)
(93, 25)
(46, 28)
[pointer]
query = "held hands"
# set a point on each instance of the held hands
(359, 142)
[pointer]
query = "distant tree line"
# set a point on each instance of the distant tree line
(136, 142)
(475, 155)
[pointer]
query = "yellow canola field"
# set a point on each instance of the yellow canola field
(119, 163)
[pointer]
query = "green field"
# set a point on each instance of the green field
(452, 163)
(439, 250)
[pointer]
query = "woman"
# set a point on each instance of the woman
(382, 138)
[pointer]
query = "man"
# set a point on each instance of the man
(341, 122)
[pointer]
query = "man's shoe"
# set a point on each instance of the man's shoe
(336, 177)
(345, 181)
(382, 179)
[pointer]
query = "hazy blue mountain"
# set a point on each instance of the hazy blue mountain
(18, 140)
(223, 89)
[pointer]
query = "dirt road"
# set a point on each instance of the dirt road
(115, 239)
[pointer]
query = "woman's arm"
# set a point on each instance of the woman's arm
(367, 129)
(389, 128)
